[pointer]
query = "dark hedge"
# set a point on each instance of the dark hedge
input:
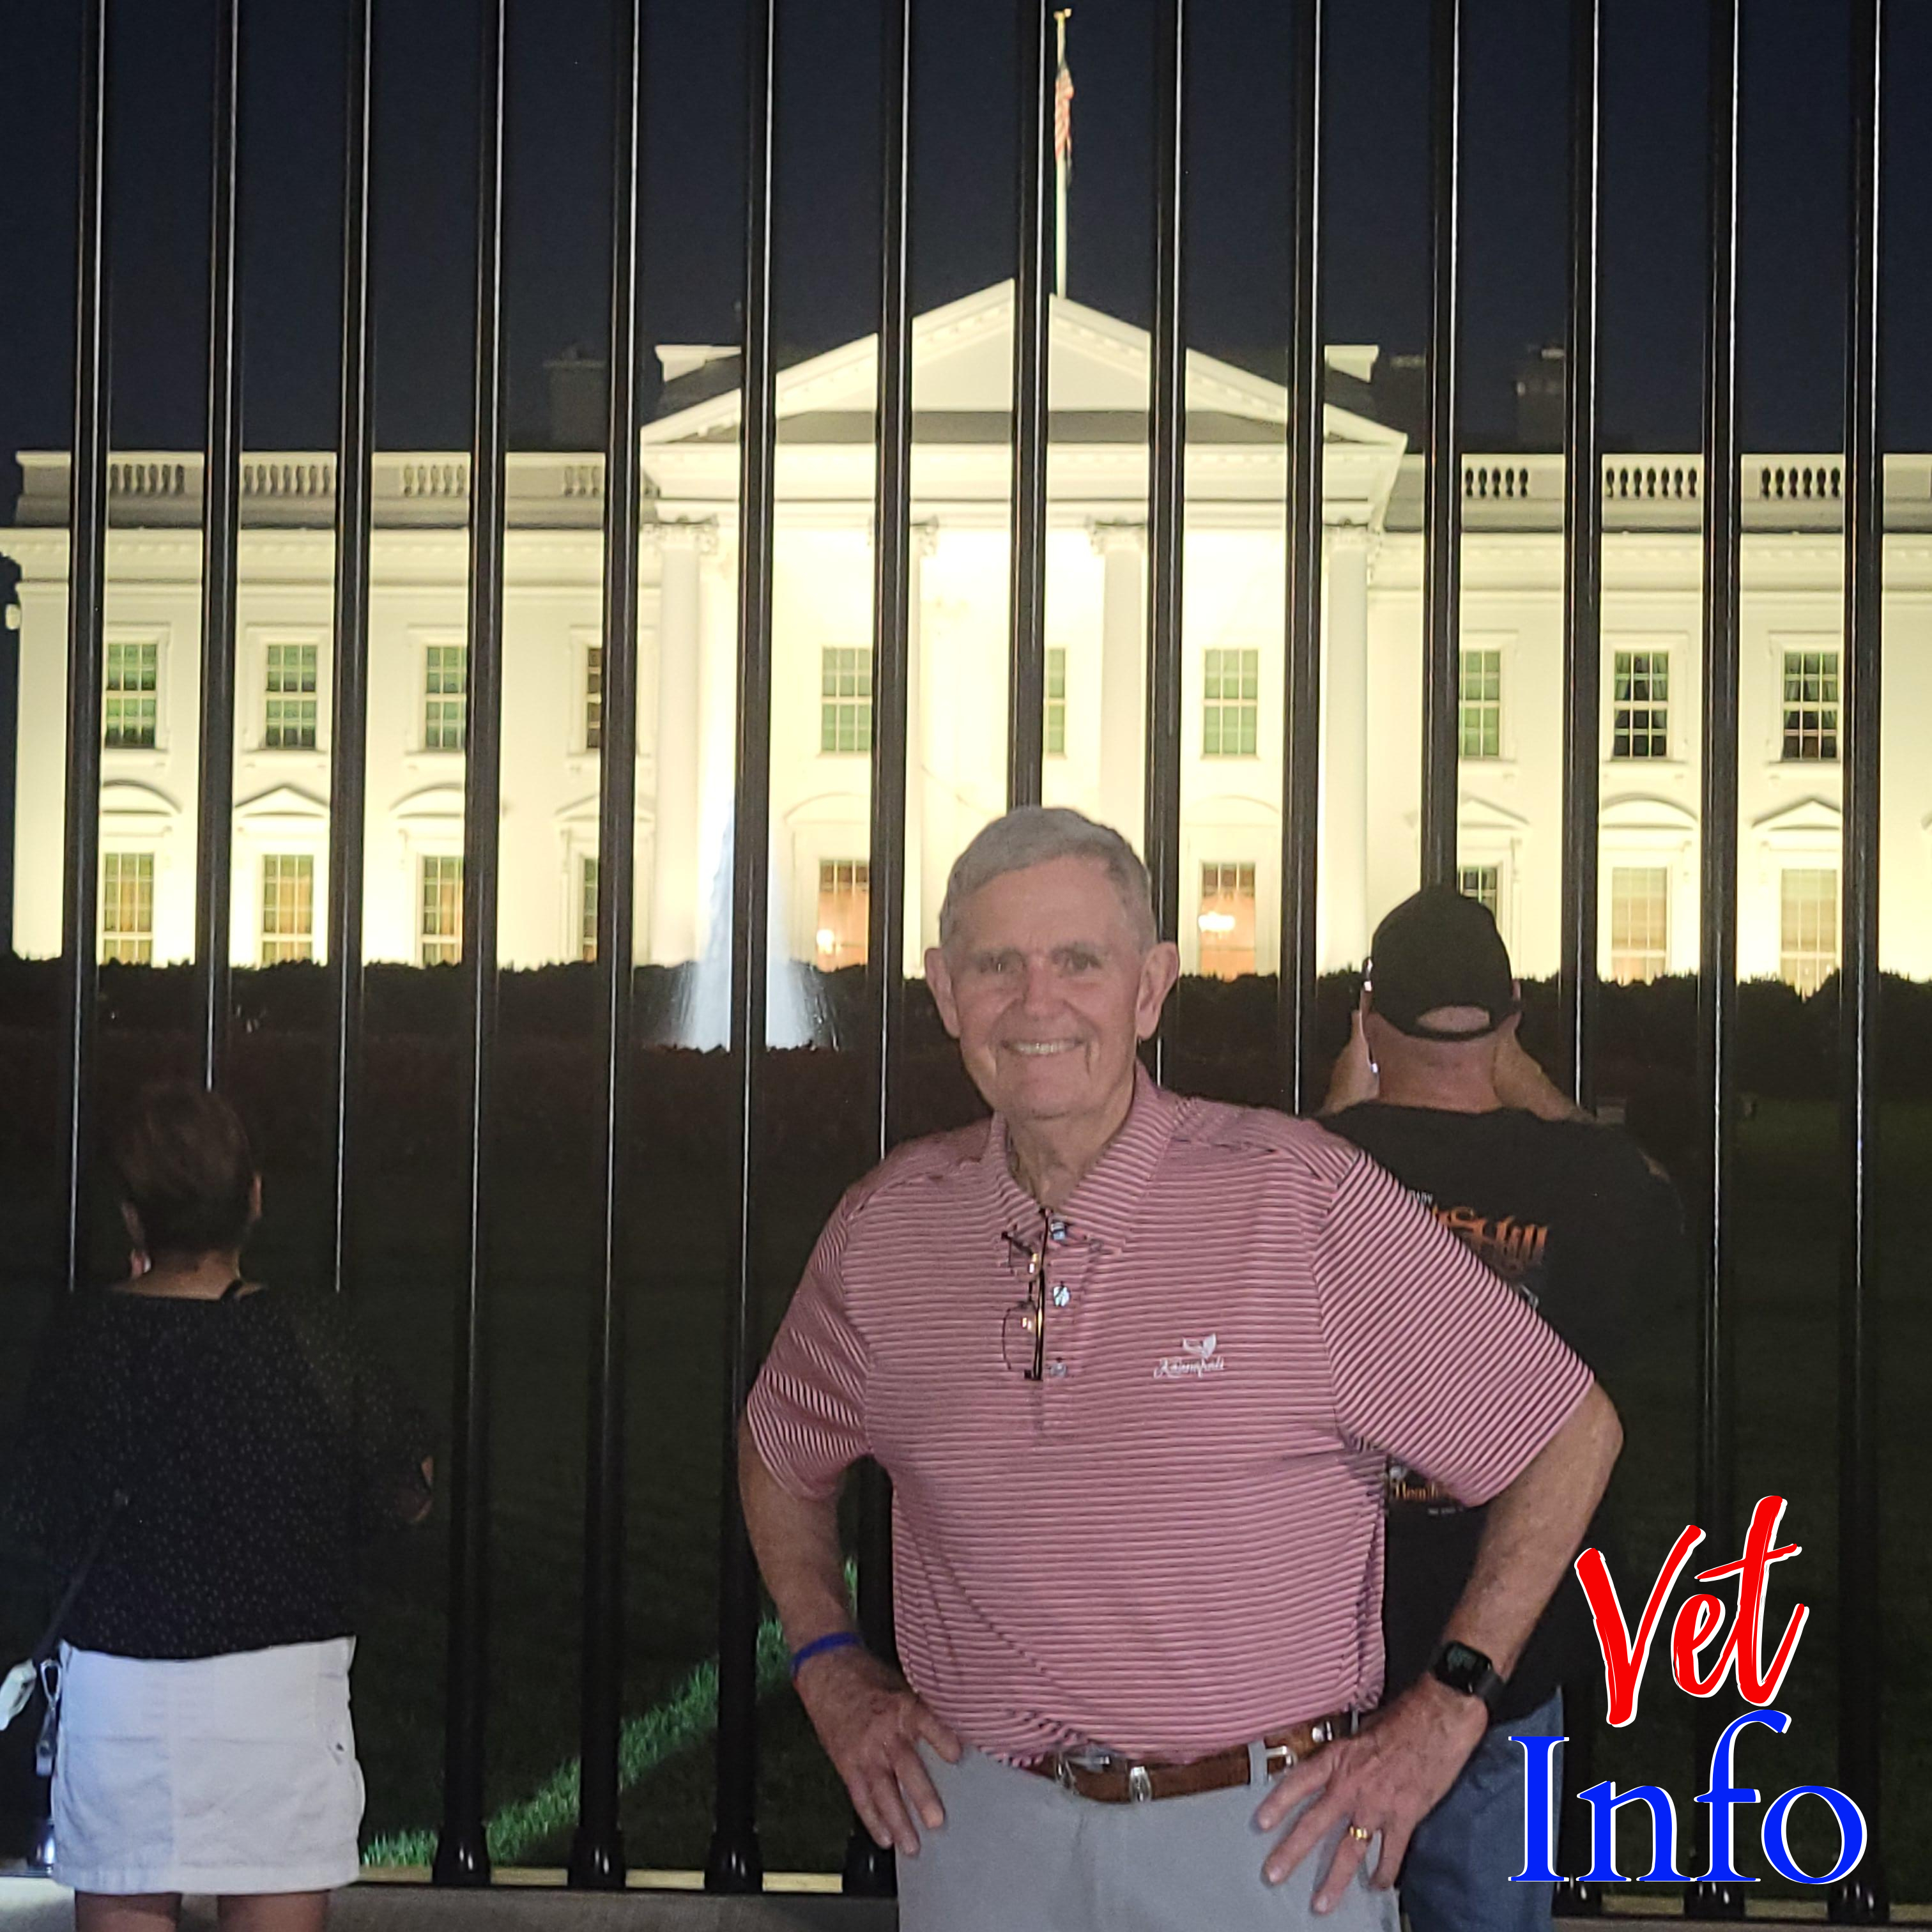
(1221, 1041)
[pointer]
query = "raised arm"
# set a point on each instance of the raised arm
(1389, 1777)
(867, 1717)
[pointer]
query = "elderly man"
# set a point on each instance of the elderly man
(1136, 1365)
(1436, 1088)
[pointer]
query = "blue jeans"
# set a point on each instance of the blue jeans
(1456, 1875)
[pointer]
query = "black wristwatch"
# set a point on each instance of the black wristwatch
(1469, 1672)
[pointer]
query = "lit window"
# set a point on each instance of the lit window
(1639, 923)
(1482, 704)
(1483, 884)
(128, 711)
(1811, 704)
(288, 724)
(1807, 926)
(845, 907)
(288, 907)
(1056, 703)
(1640, 693)
(1230, 704)
(1227, 920)
(845, 700)
(593, 697)
(446, 680)
(586, 910)
(127, 907)
(439, 930)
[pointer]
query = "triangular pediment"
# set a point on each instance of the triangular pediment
(1474, 814)
(962, 376)
(1804, 819)
(284, 803)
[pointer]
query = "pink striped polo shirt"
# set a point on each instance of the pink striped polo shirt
(1172, 1542)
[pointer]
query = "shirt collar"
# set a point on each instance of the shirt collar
(1104, 1207)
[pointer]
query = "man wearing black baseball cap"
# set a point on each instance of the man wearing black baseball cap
(1439, 970)
(1435, 1087)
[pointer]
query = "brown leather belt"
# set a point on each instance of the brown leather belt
(1123, 1780)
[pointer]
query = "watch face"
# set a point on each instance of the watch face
(1463, 1669)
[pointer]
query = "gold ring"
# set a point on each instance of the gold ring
(1357, 1832)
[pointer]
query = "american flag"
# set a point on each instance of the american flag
(1063, 116)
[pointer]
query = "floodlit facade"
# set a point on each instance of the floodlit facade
(1511, 719)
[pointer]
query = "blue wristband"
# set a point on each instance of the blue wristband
(836, 1640)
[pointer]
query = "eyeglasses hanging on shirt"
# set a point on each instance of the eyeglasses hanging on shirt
(1023, 1332)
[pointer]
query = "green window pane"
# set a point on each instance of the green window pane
(129, 712)
(1480, 720)
(845, 700)
(1230, 707)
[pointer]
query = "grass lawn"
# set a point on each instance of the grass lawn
(541, 1272)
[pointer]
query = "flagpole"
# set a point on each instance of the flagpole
(1063, 153)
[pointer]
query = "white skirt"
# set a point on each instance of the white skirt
(223, 1774)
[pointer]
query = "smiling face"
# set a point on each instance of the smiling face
(1048, 992)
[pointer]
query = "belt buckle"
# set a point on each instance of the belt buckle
(1140, 1785)
(1276, 1759)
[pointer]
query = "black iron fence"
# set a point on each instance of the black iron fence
(598, 1859)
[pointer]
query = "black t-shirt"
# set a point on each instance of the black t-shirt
(1572, 1216)
(255, 1448)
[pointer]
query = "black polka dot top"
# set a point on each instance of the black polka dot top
(255, 1450)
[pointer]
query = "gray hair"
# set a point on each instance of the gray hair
(1037, 835)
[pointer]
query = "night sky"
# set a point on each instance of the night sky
(1794, 169)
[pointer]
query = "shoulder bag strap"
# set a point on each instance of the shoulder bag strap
(50, 1638)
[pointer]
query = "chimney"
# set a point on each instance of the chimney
(1539, 399)
(1399, 388)
(579, 394)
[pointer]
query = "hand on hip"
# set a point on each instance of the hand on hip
(1384, 1781)
(870, 1721)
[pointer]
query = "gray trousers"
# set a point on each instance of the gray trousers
(1018, 1854)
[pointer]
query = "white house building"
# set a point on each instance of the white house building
(1512, 673)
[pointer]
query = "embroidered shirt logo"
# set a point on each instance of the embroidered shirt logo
(1196, 1358)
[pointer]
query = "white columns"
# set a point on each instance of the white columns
(1123, 654)
(1345, 751)
(924, 890)
(676, 883)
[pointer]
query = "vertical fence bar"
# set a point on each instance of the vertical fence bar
(86, 592)
(1301, 737)
(735, 1863)
(221, 490)
(1442, 513)
(349, 716)
(597, 1852)
(462, 1854)
(1861, 1898)
(1167, 484)
(870, 1871)
(1583, 565)
(1582, 673)
(1717, 951)
(1033, 288)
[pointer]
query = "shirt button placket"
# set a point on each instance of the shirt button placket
(1061, 1269)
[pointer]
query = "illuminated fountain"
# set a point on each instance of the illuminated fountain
(704, 1018)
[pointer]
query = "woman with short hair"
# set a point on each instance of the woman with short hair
(237, 1451)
